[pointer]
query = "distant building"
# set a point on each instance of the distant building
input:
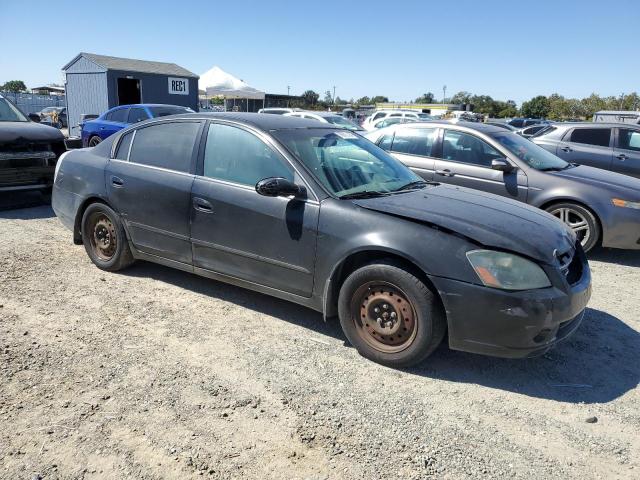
(430, 108)
(48, 90)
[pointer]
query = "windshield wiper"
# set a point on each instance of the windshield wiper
(559, 169)
(411, 186)
(364, 194)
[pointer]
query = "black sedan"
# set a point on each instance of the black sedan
(322, 217)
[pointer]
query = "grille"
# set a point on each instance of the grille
(25, 163)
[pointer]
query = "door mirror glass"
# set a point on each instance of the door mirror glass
(501, 164)
(278, 187)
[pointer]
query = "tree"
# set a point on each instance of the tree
(537, 107)
(364, 101)
(379, 99)
(14, 86)
(310, 97)
(327, 97)
(461, 97)
(426, 98)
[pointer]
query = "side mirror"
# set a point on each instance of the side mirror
(34, 117)
(278, 187)
(501, 165)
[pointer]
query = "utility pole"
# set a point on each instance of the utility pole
(621, 100)
(334, 94)
(288, 89)
(444, 93)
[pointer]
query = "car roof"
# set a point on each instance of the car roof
(595, 124)
(261, 121)
(480, 127)
(147, 105)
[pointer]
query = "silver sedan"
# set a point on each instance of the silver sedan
(602, 207)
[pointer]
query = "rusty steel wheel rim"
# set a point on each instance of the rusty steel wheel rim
(383, 317)
(104, 240)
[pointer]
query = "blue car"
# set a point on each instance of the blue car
(112, 121)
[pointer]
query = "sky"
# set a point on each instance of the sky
(510, 50)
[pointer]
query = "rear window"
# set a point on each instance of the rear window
(137, 115)
(119, 115)
(544, 131)
(168, 110)
(591, 136)
(168, 145)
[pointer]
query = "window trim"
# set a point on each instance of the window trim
(194, 152)
(267, 140)
(569, 134)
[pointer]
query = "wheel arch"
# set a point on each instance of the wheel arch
(359, 258)
(77, 223)
(547, 203)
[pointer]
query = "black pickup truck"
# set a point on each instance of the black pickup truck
(28, 151)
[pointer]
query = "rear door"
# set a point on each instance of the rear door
(626, 152)
(590, 146)
(415, 147)
(465, 160)
(149, 183)
(235, 231)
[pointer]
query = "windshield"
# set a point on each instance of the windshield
(425, 116)
(346, 163)
(10, 113)
(527, 151)
(342, 122)
(168, 110)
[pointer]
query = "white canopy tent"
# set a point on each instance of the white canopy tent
(217, 82)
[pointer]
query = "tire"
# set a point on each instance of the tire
(412, 326)
(95, 140)
(581, 220)
(104, 238)
(58, 125)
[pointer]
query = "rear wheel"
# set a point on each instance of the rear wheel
(104, 238)
(95, 140)
(389, 315)
(582, 221)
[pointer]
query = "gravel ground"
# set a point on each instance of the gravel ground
(155, 373)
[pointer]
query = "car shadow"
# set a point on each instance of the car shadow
(627, 258)
(26, 211)
(595, 365)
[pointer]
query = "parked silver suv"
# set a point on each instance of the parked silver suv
(610, 146)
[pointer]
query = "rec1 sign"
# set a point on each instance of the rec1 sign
(178, 86)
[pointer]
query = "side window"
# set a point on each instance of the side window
(238, 156)
(629, 139)
(137, 115)
(108, 116)
(591, 136)
(517, 123)
(414, 141)
(395, 115)
(119, 115)
(466, 148)
(123, 147)
(168, 145)
(385, 142)
(377, 116)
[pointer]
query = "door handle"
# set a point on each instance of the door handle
(202, 205)
(117, 182)
(622, 157)
(567, 149)
(445, 173)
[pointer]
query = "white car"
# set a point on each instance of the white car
(386, 121)
(382, 114)
(326, 117)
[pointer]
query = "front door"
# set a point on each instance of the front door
(235, 231)
(465, 160)
(149, 183)
(626, 153)
(587, 146)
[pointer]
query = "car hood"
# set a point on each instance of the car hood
(28, 131)
(614, 182)
(485, 218)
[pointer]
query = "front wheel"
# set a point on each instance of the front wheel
(95, 140)
(582, 221)
(104, 238)
(389, 315)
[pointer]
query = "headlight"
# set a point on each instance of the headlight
(618, 202)
(507, 271)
